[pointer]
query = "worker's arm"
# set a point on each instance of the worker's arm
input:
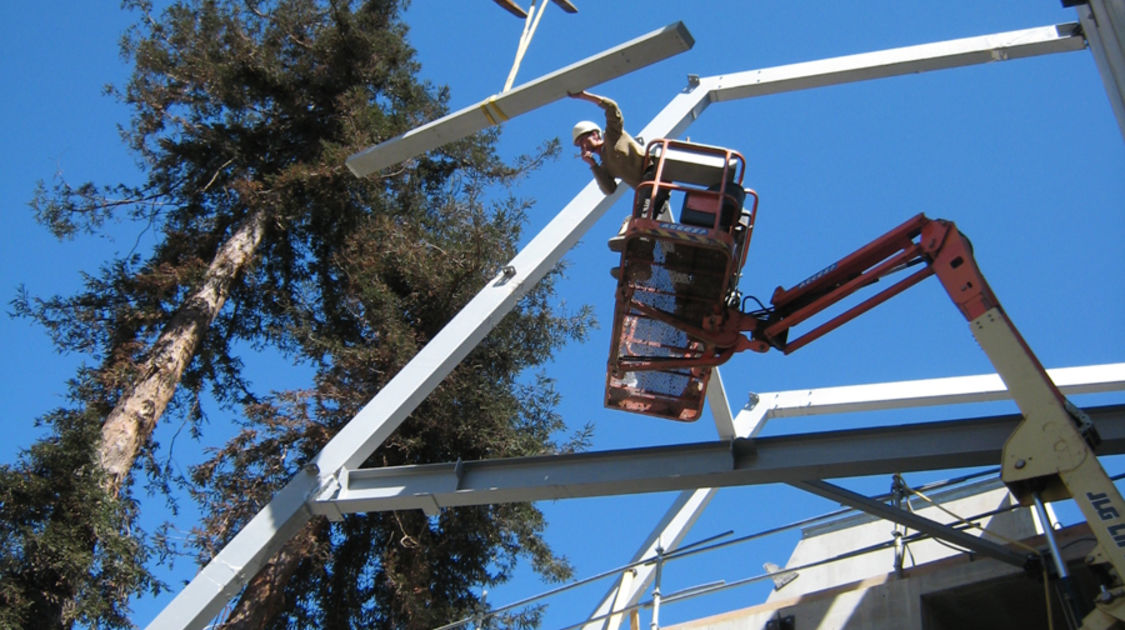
(614, 120)
(605, 181)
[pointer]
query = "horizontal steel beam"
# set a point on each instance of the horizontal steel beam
(782, 459)
(1087, 379)
(615, 62)
(898, 61)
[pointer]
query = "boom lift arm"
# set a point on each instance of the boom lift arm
(1050, 455)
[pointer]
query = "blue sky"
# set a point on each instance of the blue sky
(1025, 156)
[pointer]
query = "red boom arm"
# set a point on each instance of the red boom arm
(933, 242)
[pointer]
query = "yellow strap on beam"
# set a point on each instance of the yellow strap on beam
(492, 111)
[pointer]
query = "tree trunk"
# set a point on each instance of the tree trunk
(133, 419)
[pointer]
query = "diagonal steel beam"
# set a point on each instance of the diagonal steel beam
(668, 534)
(974, 543)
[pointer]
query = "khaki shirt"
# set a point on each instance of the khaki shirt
(622, 158)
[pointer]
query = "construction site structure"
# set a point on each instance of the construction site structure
(334, 484)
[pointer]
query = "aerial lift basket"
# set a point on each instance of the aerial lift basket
(676, 278)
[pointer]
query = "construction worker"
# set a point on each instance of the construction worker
(625, 157)
(612, 155)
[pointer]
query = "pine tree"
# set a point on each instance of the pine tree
(243, 113)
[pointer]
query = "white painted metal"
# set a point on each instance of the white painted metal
(632, 55)
(898, 61)
(222, 578)
(917, 393)
(1103, 23)
(720, 407)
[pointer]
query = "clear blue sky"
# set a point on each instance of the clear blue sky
(1025, 156)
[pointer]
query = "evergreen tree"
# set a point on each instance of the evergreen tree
(243, 114)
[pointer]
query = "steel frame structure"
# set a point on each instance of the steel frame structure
(334, 468)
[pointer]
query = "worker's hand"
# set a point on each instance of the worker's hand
(584, 96)
(588, 157)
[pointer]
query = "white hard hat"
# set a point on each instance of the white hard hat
(584, 127)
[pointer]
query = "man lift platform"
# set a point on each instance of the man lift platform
(677, 278)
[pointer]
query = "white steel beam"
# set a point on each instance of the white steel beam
(720, 407)
(917, 393)
(632, 55)
(1103, 23)
(776, 459)
(898, 61)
